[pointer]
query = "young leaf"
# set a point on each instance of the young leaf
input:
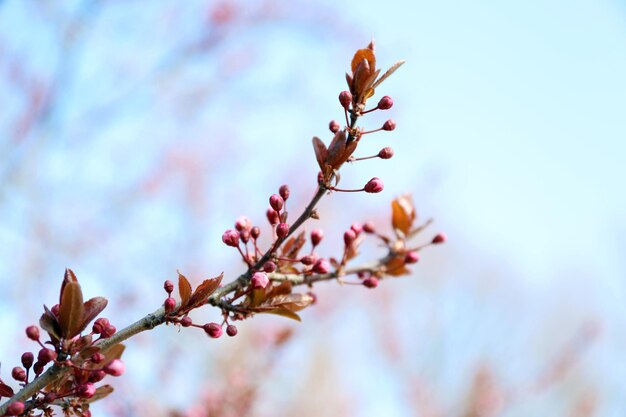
(336, 149)
(293, 245)
(402, 214)
(113, 352)
(363, 54)
(281, 311)
(71, 310)
(390, 71)
(92, 308)
(204, 291)
(396, 267)
(5, 390)
(321, 152)
(50, 324)
(67, 278)
(184, 289)
(101, 392)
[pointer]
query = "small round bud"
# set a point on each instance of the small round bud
(389, 125)
(55, 309)
(375, 185)
(255, 232)
(86, 413)
(370, 282)
(316, 236)
(27, 359)
(231, 330)
(320, 177)
(307, 260)
(243, 223)
(38, 367)
(369, 227)
(334, 126)
(231, 238)
(108, 332)
(96, 376)
(49, 397)
(169, 304)
(214, 330)
(385, 153)
(272, 216)
(440, 238)
(345, 98)
(411, 257)
(18, 374)
(97, 358)
(244, 235)
(385, 103)
(114, 368)
(321, 266)
(313, 296)
(269, 267)
(259, 280)
(186, 321)
(32, 332)
(100, 325)
(15, 408)
(357, 228)
(348, 237)
(282, 230)
(168, 286)
(276, 202)
(284, 192)
(46, 355)
(86, 390)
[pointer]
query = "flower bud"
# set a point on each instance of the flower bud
(357, 228)
(389, 125)
(86, 390)
(169, 305)
(15, 408)
(316, 236)
(345, 98)
(97, 358)
(32, 332)
(244, 235)
(231, 238)
(440, 238)
(272, 216)
(214, 330)
(46, 355)
(96, 376)
(321, 266)
(284, 192)
(259, 280)
(114, 368)
(168, 286)
(385, 103)
(255, 232)
(276, 202)
(313, 296)
(307, 260)
(38, 367)
(108, 331)
(282, 230)
(334, 126)
(186, 321)
(55, 309)
(49, 397)
(385, 153)
(243, 223)
(369, 227)
(100, 325)
(18, 374)
(269, 267)
(411, 257)
(27, 359)
(370, 282)
(231, 330)
(348, 237)
(375, 185)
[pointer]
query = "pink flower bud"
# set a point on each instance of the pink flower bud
(186, 321)
(15, 408)
(307, 260)
(97, 358)
(284, 192)
(32, 332)
(411, 257)
(108, 332)
(55, 309)
(259, 280)
(385, 153)
(313, 296)
(114, 368)
(169, 304)
(27, 359)
(100, 325)
(282, 230)
(244, 235)
(272, 216)
(214, 330)
(231, 238)
(18, 374)
(334, 126)
(46, 355)
(389, 125)
(375, 185)
(369, 227)
(49, 397)
(370, 282)
(348, 237)
(231, 330)
(321, 266)
(345, 98)
(316, 236)
(243, 223)
(86, 390)
(276, 202)
(255, 232)
(357, 228)
(96, 376)
(440, 238)
(269, 267)
(385, 103)
(38, 367)
(168, 286)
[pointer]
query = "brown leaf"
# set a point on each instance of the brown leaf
(366, 90)
(92, 308)
(101, 392)
(363, 54)
(50, 324)
(293, 246)
(67, 278)
(321, 152)
(396, 267)
(204, 291)
(5, 390)
(347, 153)
(292, 302)
(390, 71)
(184, 289)
(283, 289)
(402, 214)
(362, 74)
(336, 149)
(281, 311)
(113, 352)
(71, 310)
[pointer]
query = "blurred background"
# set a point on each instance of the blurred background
(133, 133)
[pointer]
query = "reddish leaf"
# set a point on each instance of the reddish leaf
(204, 291)
(292, 302)
(402, 214)
(5, 390)
(184, 289)
(390, 71)
(281, 311)
(321, 152)
(50, 324)
(67, 278)
(336, 149)
(396, 267)
(92, 308)
(113, 352)
(101, 392)
(283, 289)
(293, 245)
(363, 54)
(71, 310)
